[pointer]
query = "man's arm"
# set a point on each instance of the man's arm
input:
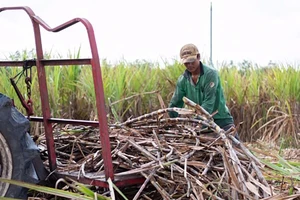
(176, 100)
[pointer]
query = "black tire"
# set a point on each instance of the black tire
(18, 150)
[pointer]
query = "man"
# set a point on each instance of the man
(201, 84)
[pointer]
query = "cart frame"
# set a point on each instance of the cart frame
(46, 118)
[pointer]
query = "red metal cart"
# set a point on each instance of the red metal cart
(47, 120)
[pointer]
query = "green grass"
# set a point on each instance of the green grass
(82, 192)
(255, 94)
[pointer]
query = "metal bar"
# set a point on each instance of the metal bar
(51, 62)
(66, 121)
(124, 182)
(100, 102)
(98, 85)
(16, 63)
(44, 96)
(121, 183)
(28, 107)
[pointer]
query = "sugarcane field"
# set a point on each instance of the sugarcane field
(139, 123)
(187, 157)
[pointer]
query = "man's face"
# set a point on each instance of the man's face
(192, 66)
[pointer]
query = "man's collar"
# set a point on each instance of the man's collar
(201, 68)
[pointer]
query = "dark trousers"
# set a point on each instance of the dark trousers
(227, 127)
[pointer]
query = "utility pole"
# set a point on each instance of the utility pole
(210, 58)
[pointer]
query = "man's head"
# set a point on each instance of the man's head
(189, 53)
(190, 57)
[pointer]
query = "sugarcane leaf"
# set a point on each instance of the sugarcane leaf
(286, 164)
(116, 188)
(47, 190)
(230, 169)
(252, 188)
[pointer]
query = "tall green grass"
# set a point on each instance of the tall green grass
(255, 94)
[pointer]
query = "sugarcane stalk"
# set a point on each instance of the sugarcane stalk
(208, 165)
(157, 140)
(188, 155)
(136, 196)
(155, 113)
(245, 150)
(142, 150)
(184, 159)
(236, 163)
(200, 110)
(160, 189)
(164, 179)
(179, 169)
(121, 155)
(199, 195)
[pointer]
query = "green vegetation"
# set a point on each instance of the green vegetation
(263, 100)
(284, 168)
(81, 192)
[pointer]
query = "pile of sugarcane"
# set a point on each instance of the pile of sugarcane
(188, 157)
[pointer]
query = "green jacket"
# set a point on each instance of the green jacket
(207, 92)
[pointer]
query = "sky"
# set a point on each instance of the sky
(259, 31)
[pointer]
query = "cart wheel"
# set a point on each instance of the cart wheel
(5, 164)
(17, 150)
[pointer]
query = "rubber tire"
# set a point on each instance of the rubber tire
(5, 164)
(14, 128)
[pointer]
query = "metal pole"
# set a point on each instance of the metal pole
(211, 62)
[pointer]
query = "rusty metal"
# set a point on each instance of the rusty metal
(120, 182)
(40, 63)
(52, 62)
(27, 105)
